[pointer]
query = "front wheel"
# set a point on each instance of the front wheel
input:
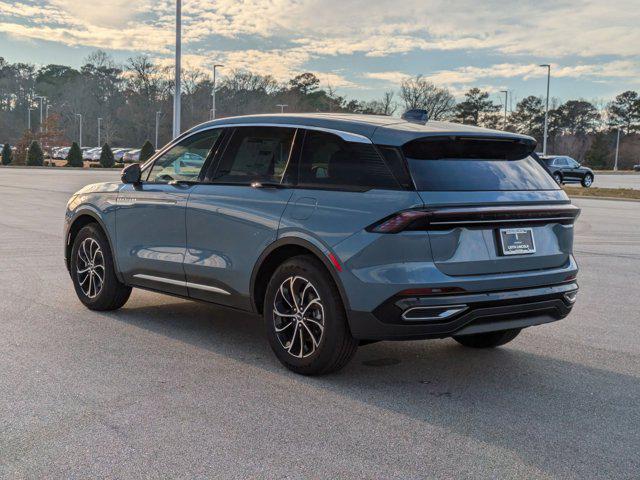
(93, 272)
(489, 339)
(587, 181)
(558, 178)
(305, 319)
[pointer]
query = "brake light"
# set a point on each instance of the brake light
(398, 222)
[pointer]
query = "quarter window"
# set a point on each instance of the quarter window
(184, 161)
(328, 161)
(255, 154)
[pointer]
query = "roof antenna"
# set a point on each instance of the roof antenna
(416, 116)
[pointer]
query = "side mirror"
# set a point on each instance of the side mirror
(131, 174)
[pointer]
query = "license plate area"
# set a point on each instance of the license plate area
(517, 241)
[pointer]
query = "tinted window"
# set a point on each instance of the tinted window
(572, 162)
(255, 154)
(469, 166)
(184, 161)
(329, 161)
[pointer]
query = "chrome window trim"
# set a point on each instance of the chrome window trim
(346, 136)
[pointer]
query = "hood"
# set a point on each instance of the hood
(104, 187)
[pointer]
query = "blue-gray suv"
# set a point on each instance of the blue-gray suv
(338, 229)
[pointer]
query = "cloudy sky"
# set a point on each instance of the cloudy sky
(360, 47)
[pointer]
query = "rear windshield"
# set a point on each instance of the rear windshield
(475, 165)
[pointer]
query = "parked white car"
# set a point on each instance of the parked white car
(131, 156)
(119, 153)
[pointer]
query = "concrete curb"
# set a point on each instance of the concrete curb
(615, 199)
(26, 167)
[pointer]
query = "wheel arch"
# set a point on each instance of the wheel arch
(81, 219)
(278, 252)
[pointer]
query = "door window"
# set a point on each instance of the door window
(328, 161)
(255, 154)
(184, 161)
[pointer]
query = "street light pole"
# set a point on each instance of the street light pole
(29, 118)
(79, 115)
(282, 107)
(157, 127)
(546, 110)
(615, 165)
(213, 93)
(41, 98)
(99, 122)
(506, 97)
(176, 94)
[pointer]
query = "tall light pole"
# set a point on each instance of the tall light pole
(176, 94)
(615, 165)
(546, 110)
(99, 122)
(157, 127)
(282, 107)
(46, 115)
(213, 92)
(29, 118)
(79, 115)
(41, 98)
(506, 98)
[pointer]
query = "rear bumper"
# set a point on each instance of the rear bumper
(412, 318)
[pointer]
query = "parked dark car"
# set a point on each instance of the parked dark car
(338, 229)
(567, 170)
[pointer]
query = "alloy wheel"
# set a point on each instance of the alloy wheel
(90, 268)
(588, 180)
(298, 317)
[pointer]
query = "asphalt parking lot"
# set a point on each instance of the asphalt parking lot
(166, 388)
(625, 180)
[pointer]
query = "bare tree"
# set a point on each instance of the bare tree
(419, 93)
(389, 105)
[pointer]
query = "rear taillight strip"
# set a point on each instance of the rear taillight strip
(477, 216)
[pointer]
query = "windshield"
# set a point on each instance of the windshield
(475, 165)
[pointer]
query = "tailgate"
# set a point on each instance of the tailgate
(498, 238)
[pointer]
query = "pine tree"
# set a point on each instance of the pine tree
(74, 157)
(107, 159)
(7, 154)
(146, 152)
(35, 157)
(598, 154)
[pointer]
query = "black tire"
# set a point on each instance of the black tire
(587, 180)
(112, 294)
(336, 346)
(558, 178)
(489, 339)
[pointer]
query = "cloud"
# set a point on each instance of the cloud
(393, 78)
(282, 37)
